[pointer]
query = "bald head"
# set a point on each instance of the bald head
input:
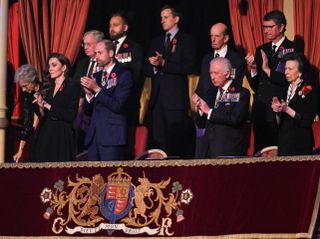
(219, 35)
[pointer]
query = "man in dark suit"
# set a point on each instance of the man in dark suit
(107, 92)
(219, 35)
(170, 59)
(85, 66)
(222, 111)
(267, 78)
(129, 56)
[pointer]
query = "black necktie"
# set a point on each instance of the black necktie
(218, 100)
(216, 55)
(274, 47)
(168, 39)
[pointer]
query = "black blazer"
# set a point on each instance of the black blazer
(224, 129)
(267, 87)
(130, 57)
(237, 62)
(170, 82)
(295, 134)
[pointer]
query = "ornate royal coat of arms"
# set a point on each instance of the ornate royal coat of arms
(91, 205)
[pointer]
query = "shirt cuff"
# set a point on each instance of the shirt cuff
(89, 99)
(209, 114)
(253, 74)
(96, 94)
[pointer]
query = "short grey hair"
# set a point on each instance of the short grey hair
(97, 35)
(27, 73)
(224, 62)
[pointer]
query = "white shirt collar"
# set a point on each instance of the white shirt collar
(173, 33)
(120, 40)
(109, 69)
(278, 44)
(222, 52)
(226, 86)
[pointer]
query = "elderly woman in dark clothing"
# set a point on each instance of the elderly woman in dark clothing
(54, 138)
(296, 110)
(27, 78)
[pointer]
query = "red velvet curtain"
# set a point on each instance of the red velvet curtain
(247, 29)
(61, 33)
(68, 19)
(306, 23)
(13, 55)
(34, 31)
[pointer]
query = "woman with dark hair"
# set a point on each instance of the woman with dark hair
(27, 78)
(296, 110)
(54, 138)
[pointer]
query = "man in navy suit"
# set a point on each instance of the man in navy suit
(170, 59)
(267, 78)
(107, 92)
(219, 35)
(129, 55)
(222, 111)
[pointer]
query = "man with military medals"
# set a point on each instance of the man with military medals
(107, 94)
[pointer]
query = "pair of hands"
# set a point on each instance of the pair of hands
(278, 106)
(253, 65)
(90, 85)
(200, 104)
(156, 60)
(40, 101)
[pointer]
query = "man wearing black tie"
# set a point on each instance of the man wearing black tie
(170, 59)
(267, 78)
(129, 55)
(85, 66)
(222, 111)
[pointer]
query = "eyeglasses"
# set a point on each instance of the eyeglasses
(265, 27)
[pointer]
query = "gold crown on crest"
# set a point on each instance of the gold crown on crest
(119, 177)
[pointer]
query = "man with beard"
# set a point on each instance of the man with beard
(85, 66)
(107, 93)
(129, 55)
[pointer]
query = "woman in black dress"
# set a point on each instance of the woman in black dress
(54, 138)
(296, 110)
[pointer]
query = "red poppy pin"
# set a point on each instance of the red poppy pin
(305, 90)
(61, 87)
(174, 41)
(232, 89)
(125, 45)
(113, 75)
(174, 45)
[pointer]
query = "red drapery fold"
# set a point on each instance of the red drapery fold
(34, 25)
(306, 23)
(13, 55)
(61, 33)
(68, 19)
(247, 29)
